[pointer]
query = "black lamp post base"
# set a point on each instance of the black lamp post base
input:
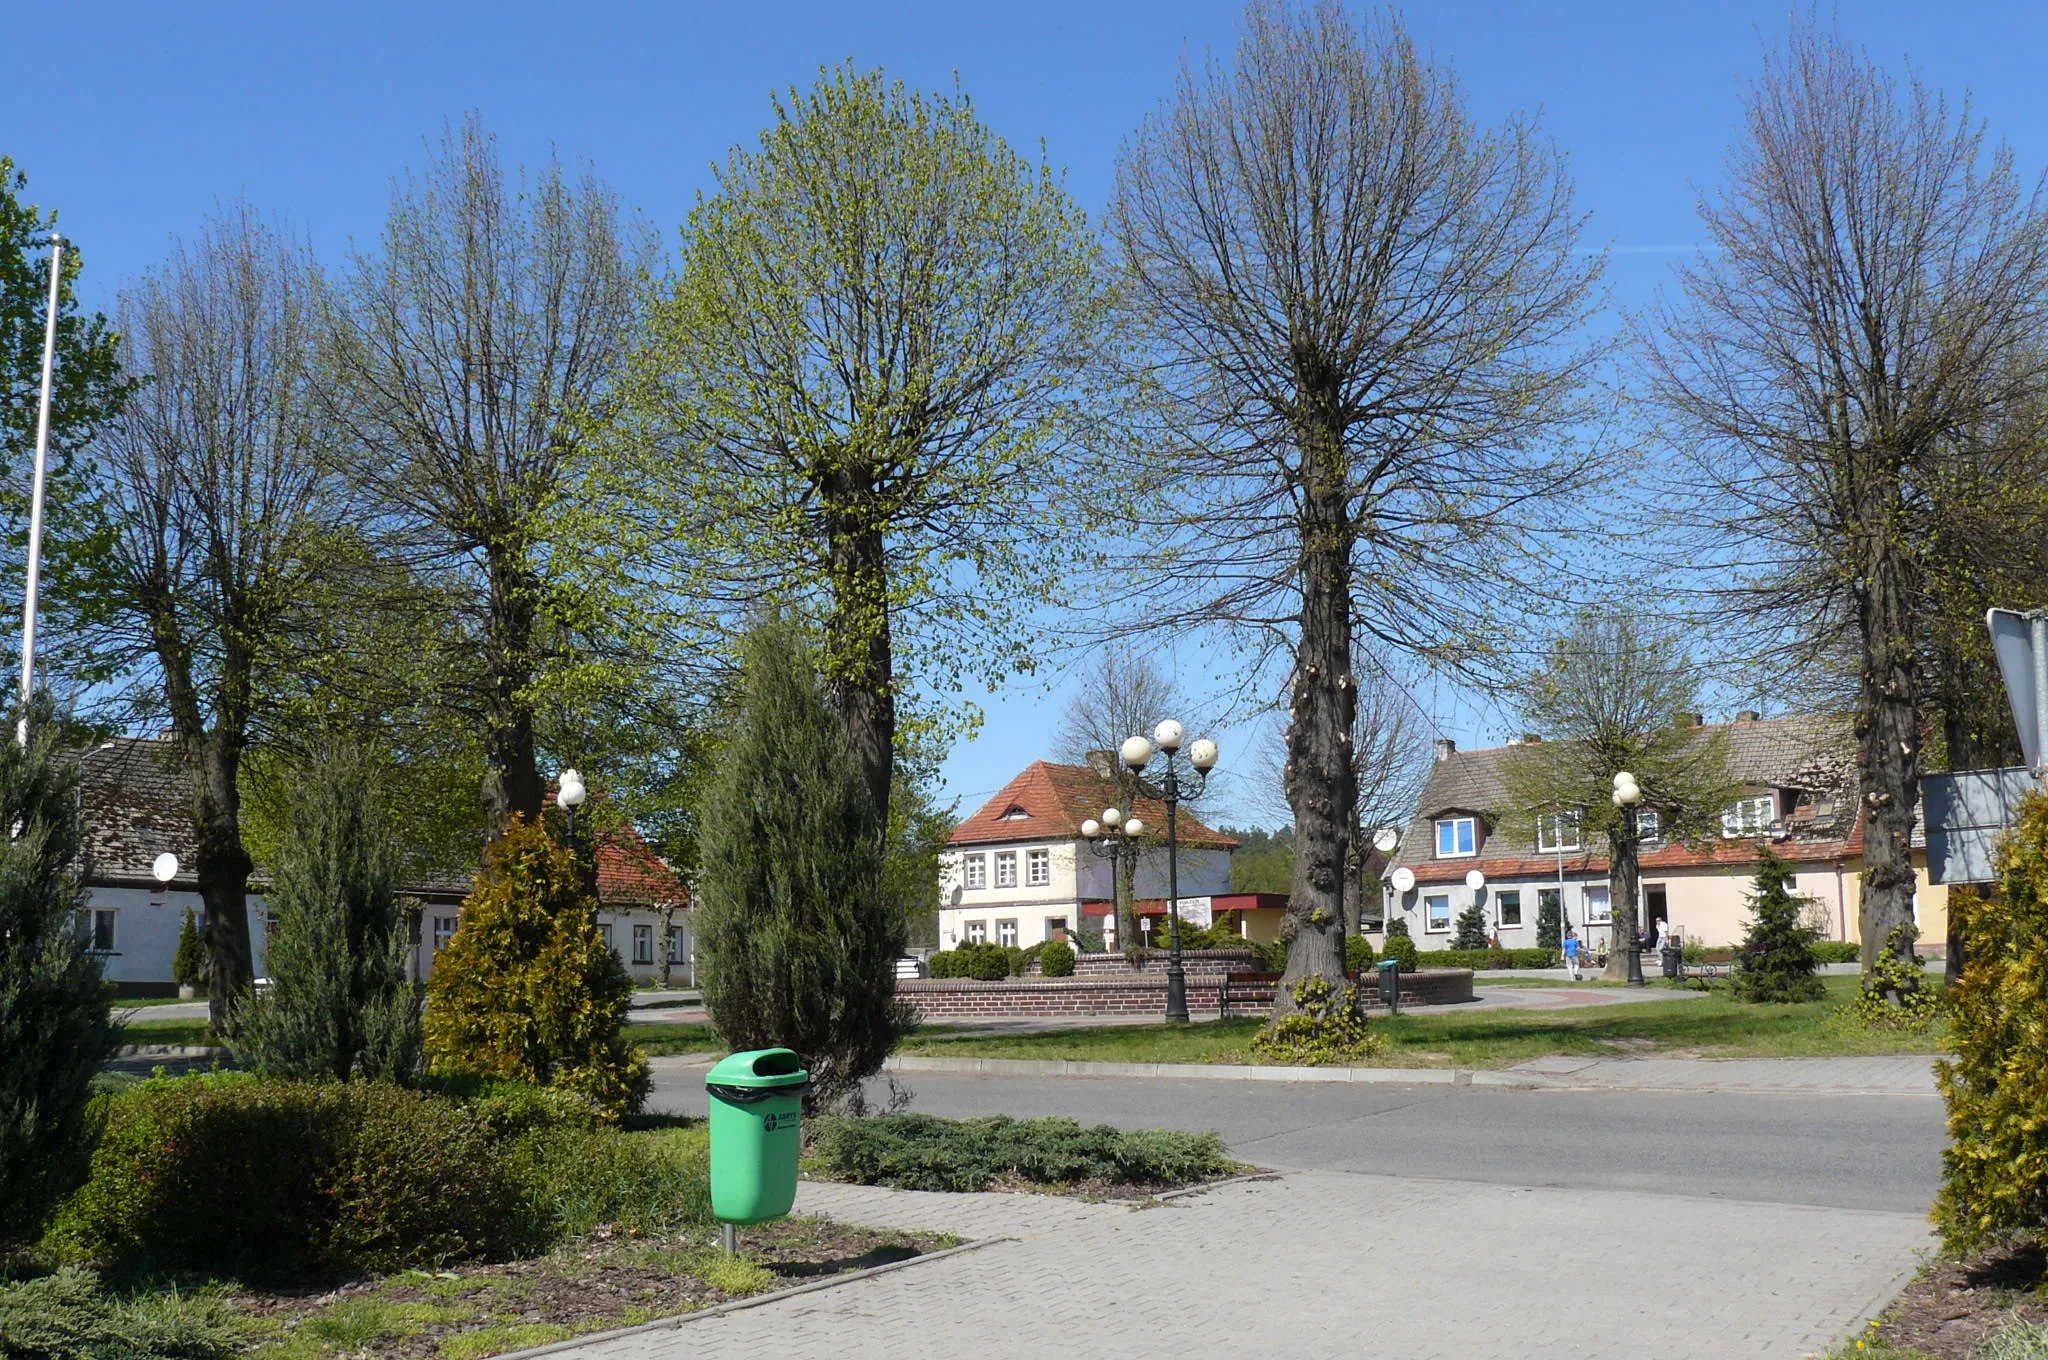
(1635, 967)
(1176, 994)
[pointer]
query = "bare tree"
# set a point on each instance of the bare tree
(1359, 306)
(221, 504)
(469, 352)
(1869, 314)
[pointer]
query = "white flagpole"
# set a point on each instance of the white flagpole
(35, 513)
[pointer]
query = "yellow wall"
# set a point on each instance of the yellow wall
(1712, 905)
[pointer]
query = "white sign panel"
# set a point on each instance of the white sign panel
(2021, 644)
(1197, 911)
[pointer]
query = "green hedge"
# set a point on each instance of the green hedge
(1490, 958)
(1057, 960)
(984, 962)
(1402, 949)
(923, 1152)
(1837, 951)
(1358, 954)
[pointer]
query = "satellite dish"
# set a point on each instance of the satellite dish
(1475, 880)
(1404, 879)
(1386, 840)
(165, 868)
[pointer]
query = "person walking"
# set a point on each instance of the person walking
(1571, 956)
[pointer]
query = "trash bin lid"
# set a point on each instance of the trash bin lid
(760, 1067)
(1389, 963)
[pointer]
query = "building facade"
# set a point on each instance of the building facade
(1019, 872)
(1797, 794)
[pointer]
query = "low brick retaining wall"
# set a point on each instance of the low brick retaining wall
(1192, 961)
(1143, 994)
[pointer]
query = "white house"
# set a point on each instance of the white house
(1019, 872)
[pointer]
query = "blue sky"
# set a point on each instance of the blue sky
(136, 120)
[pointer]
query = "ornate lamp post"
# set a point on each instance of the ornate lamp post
(1137, 754)
(571, 794)
(1112, 838)
(1628, 795)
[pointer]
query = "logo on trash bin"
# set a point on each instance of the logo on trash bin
(770, 1123)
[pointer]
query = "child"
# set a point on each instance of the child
(1571, 956)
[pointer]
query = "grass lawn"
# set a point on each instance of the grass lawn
(1713, 1026)
(165, 1032)
(123, 1003)
(668, 1036)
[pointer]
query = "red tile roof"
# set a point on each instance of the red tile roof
(1056, 799)
(628, 871)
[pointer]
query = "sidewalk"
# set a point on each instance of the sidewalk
(1399, 1260)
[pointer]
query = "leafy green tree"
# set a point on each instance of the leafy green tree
(856, 393)
(1776, 962)
(528, 989)
(341, 1001)
(54, 1028)
(1471, 928)
(1613, 693)
(794, 920)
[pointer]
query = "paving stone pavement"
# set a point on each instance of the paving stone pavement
(1910, 1074)
(1410, 1268)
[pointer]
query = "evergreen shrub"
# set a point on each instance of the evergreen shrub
(1471, 928)
(528, 990)
(1482, 959)
(1397, 928)
(67, 1316)
(1776, 962)
(188, 964)
(1056, 960)
(1837, 951)
(1358, 954)
(983, 962)
(1995, 1172)
(1402, 949)
(1549, 924)
(54, 1027)
(923, 1152)
(341, 1001)
(793, 913)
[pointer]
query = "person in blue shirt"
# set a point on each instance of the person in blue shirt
(1571, 955)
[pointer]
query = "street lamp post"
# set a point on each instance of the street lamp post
(1628, 795)
(35, 505)
(571, 793)
(1137, 754)
(1112, 838)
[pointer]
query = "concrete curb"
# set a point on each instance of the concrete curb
(752, 1301)
(1062, 1067)
(169, 1051)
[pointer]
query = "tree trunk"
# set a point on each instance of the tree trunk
(1621, 905)
(1888, 731)
(857, 637)
(1320, 777)
(222, 866)
(512, 783)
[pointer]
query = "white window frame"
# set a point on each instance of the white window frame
(1650, 826)
(1552, 828)
(974, 932)
(1749, 817)
(442, 937)
(1006, 934)
(1511, 897)
(643, 945)
(675, 945)
(1038, 868)
(1428, 916)
(1006, 868)
(604, 931)
(974, 871)
(1471, 825)
(1597, 905)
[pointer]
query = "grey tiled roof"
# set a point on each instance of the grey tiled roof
(137, 799)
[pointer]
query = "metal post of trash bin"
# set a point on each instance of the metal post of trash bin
(729, 1238)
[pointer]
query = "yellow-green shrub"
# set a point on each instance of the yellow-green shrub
(528, 990)
(1995, 1173)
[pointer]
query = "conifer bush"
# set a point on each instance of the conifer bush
(1471, 930)
(1995, 1173)
(1056, 960)
(188, 965)
(341, 1002)
(793, 916)
(1776, 962)
(1549, 923)
(54, 1027)
(528, 990)
(1401, 948)
(1358, 955)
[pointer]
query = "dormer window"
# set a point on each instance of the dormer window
(1016, 814)
(1558, 831)
(1749, 816)
(1457, 837)
(1649, 827)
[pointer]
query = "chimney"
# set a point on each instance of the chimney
(1532, 739)
(1099, 762)
(1445, 747)
(1747, 715)
(1692, 720)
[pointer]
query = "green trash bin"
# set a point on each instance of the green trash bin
(756, 1107)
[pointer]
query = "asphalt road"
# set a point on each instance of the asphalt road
(1837, 1151)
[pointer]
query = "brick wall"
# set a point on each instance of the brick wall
(1143, 994)
(1192, 961)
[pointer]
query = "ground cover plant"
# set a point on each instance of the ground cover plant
(924, 1152)
(1707, 1025)
(658, 1038)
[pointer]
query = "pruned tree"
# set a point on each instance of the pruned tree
(1613, 693)
(1359, 308)
(471, 352)
(856, 394)
(222, 510)
(1839, 376)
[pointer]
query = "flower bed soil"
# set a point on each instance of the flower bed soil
(1952, 1307)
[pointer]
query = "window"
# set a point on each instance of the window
(1006, 934)
(444, 931)
(605, 930)
(1436, 913)
(977, 932)
(1557, 831)
(1456, 836)
(1597, 911)
(1749, 816)
(103, 932)
(643, 944)
(1548, 906)
(1006, 868)
(675, 945)
(1509, 904)
(1038, 868)
(975, 871)
(1649, 827)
